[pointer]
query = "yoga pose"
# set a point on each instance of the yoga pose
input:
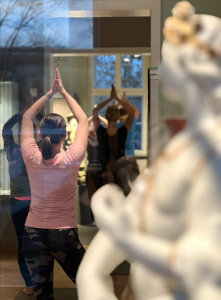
(51, 227)
(111, 140)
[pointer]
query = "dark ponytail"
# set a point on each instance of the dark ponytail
(53, 130)
(46, 148)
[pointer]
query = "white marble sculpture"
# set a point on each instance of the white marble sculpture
(169, 226)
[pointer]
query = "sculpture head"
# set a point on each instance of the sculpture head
(191, 53)
(71, 127)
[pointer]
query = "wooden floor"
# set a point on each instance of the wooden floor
(11, 281)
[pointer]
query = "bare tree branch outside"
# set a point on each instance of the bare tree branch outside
(26, 24)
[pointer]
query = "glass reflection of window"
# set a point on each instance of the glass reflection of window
(44, 24)
(104, 71)
(131, 71)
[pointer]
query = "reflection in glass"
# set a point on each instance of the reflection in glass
(43, 24)
(23, 22)
(132, 71)
(104, 71)
(138, 102)
(81, 33)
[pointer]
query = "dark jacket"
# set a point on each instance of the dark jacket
(19, 182)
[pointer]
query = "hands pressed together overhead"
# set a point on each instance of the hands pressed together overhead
(57, 84)
(113, 95)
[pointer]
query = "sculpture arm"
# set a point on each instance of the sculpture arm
(93, 278)
(118, 217)
(195, 268)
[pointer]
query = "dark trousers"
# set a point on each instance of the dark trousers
(41, 247)
(124, 174)
(93, 182)
(19, 212)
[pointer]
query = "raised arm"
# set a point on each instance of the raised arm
(135, 109)
(103, 120)
(127, 106)
(30, 114)
(95, 113)
(81, 134)
(7, 131)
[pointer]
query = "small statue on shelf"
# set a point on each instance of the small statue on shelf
(71, 129)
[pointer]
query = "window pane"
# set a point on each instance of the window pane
(104, 71)
(132, 71)
(99, 99)
(138, 102)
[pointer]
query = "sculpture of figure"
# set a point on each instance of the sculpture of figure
(169, 225)
(71, 131)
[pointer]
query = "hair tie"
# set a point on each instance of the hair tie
(48, 138)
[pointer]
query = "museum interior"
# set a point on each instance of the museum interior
(95, 44)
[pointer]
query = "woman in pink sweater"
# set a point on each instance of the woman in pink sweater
(51, 226)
